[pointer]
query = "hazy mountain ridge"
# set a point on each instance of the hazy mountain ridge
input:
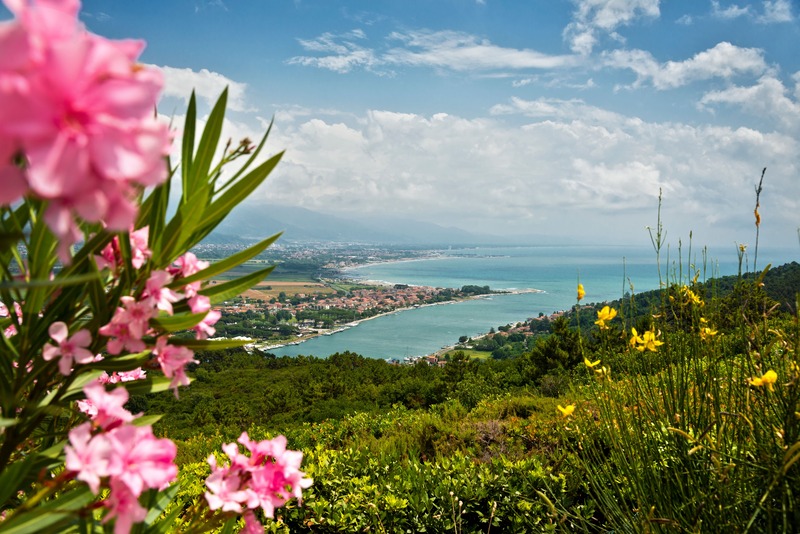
(248, 223)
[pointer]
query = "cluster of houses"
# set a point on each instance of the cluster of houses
(359, 300)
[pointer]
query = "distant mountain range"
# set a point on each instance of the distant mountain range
(247, 223)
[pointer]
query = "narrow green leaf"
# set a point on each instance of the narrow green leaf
(146, 420)
(160, 502)
(122, 363)
(41, 260)
(227, 290)
(193, 215)
(7, 422)
(173, 323)
(228, 263)
(12, 478)
(208, 144)
(210, 344)
(229, 526)
(148, 385)
(56, 282)
(75, 389)
(187, 148)
(50, 516)
(10, 239)
(153, 213)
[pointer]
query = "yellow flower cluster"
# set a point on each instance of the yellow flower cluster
(706, 332)
(647, 341)
(581, 292)
(602, 373)
(767, 379)
(566, 412)
(690, 297)
(604, 316)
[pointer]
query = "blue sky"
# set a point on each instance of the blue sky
(502, 116)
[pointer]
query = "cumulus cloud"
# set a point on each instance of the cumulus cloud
(450, 50)
(724, 60)
(776, 11)
(562, 165)
(206, 84)
(732, 11)
(593, 18)
(768, 98)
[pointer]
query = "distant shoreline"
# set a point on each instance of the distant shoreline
(353, 324)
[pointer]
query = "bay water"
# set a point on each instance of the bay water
(606, 273)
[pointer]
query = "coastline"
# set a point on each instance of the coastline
(353, 324)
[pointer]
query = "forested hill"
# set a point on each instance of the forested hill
(780, 284)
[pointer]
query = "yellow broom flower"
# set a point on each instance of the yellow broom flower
(581, 292)
(589, 364)
(767, 379)
(566, 412)
(605, 315)
(647, 341)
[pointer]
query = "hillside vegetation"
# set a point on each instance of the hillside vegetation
(685, 418)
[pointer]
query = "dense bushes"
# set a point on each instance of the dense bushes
(684, 425)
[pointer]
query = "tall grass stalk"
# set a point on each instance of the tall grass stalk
(758, 217)
(702, 433)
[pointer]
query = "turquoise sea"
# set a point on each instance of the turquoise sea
(605, 271)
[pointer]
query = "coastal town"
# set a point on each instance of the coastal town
(324, 308)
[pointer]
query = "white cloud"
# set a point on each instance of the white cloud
(570, 167)
(594, 17)
(730, 12)
(464, 52)
(796, 78)
(422, 48)
(776, 11)
(768, 98)
(722, 61)
(685, 20)
(343, 52)
(207, 86)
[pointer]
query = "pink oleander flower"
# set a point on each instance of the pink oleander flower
(11, 176)
(251, 524)
(266, 479)
(111, 452)
(199, 303)
(173, 360)
(224, 485)
(87, 455)
(204, 328)
(71, 349)
(122, 376)
(80, 110)
(157, 295)
(140, 460)
(107, 407)
(123, 505)
(110, 255)
(128, 325)
(187, 265)
(11, 329)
